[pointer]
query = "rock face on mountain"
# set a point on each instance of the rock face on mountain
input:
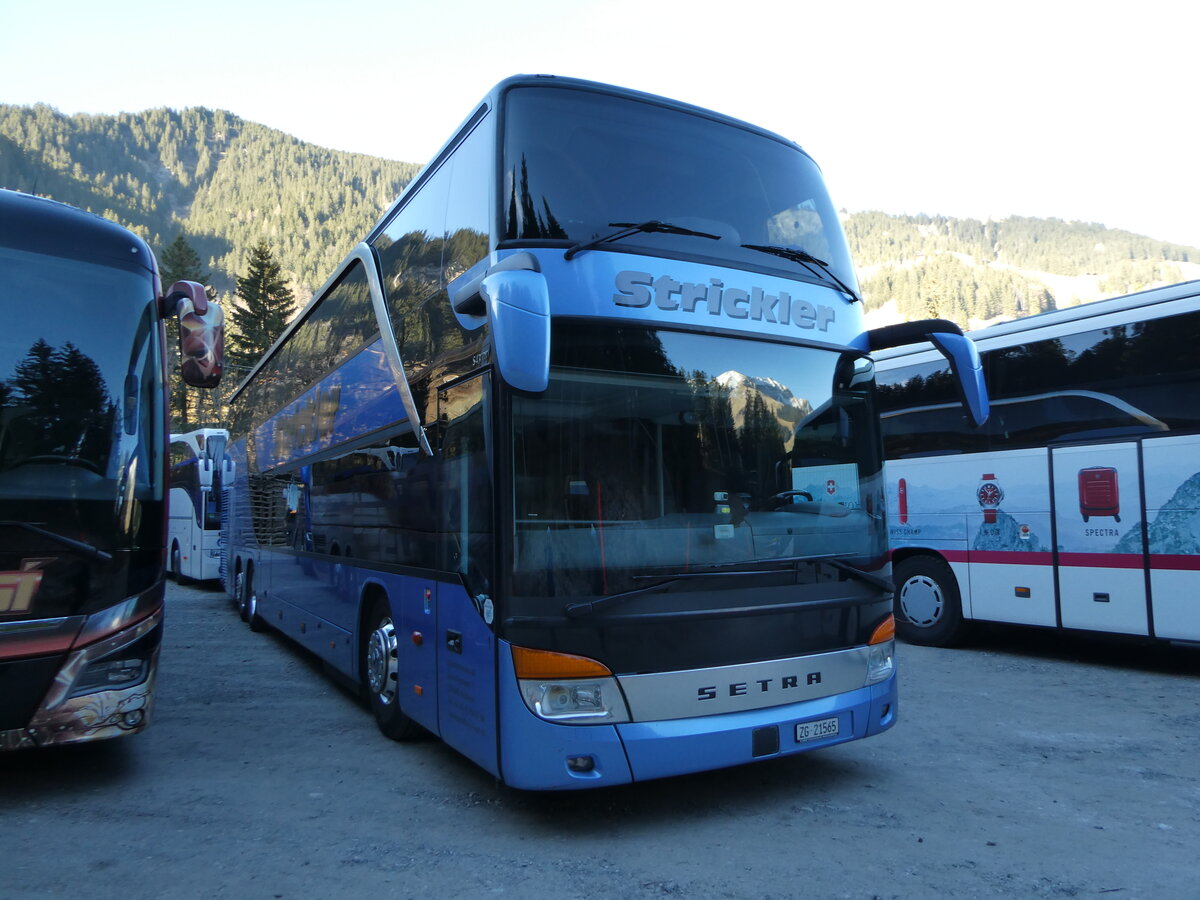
(780, 403)
(1176, 528)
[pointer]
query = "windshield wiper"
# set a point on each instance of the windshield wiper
(806, 259)
(78, 546)
(587, 607)
(731, 569)
(631, 228)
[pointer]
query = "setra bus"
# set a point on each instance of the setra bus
(83, 468)
(1078, 505)
(574, 462)
(194, 524)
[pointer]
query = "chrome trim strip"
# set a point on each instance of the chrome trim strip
(663, 696)
(390, 348)
(27, 626)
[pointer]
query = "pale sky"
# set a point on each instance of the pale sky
(1076, 110)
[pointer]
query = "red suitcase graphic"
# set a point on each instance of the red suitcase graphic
(1099, 493)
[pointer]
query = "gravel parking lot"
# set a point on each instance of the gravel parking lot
(1028, 764)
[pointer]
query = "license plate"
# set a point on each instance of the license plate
(821, 728)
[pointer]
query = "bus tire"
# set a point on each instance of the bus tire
(927, 602)
(177, 565)
(380, 668)
(248, 601)
(239, 586)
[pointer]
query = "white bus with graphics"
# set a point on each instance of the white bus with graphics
(1077, 505)
(193, 551)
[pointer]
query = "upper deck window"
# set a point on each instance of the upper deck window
(576, 161)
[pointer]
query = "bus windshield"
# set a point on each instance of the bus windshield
(577, 163)
(655, 453)
(79, 389)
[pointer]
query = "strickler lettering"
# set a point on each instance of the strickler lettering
(641, 289)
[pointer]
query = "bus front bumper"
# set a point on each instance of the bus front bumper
(540, 755)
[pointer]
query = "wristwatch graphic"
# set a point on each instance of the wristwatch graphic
(989, 496)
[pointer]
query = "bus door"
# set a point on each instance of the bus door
(1172, 480)
(466, 644)
(1098, 527)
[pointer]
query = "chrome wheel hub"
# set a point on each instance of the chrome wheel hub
(381, 661)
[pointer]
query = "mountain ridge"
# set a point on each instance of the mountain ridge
(227, 183)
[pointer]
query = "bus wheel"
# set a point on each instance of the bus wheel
(927, 603)
(248, 601)
(177, 565)
(380, 664)
(239, 589)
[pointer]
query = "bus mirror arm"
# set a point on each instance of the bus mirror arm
(201, 333)
(960, 351)
(466, 294)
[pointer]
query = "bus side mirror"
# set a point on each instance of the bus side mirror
(959, 350)
(201, 333)
(518, 305)
(205, 471)
(963, 357)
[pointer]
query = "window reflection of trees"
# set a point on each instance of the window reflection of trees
(56, 404)
(1126, 379)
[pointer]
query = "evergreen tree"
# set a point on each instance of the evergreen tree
(260, 313)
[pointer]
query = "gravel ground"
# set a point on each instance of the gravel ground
(1028, 764)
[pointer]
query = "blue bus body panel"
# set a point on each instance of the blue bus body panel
(466, 677)
(417, 636)
(662, 749)
(534, 752)
(649, 291)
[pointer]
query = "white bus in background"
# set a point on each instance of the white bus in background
(1077, 505)
(195, 504)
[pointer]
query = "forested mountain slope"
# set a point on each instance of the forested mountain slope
(223, 182)
(227, 184)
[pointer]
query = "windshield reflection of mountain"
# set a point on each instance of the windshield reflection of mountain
(636, 459)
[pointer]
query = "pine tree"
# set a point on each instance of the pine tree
(264, 304)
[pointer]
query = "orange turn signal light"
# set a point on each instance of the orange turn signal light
(884, 631)
(544, 664)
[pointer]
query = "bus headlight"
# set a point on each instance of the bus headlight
(559, 687)
(121, 668)
(881, 663)
(576, 702)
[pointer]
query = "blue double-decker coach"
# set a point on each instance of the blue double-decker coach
(575, 462)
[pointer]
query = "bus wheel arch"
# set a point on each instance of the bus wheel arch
(928, 602)
(379, 666)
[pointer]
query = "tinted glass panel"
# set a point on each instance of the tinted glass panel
(1128, 380)
(81, 430)
(659, 451)
(577, 161)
